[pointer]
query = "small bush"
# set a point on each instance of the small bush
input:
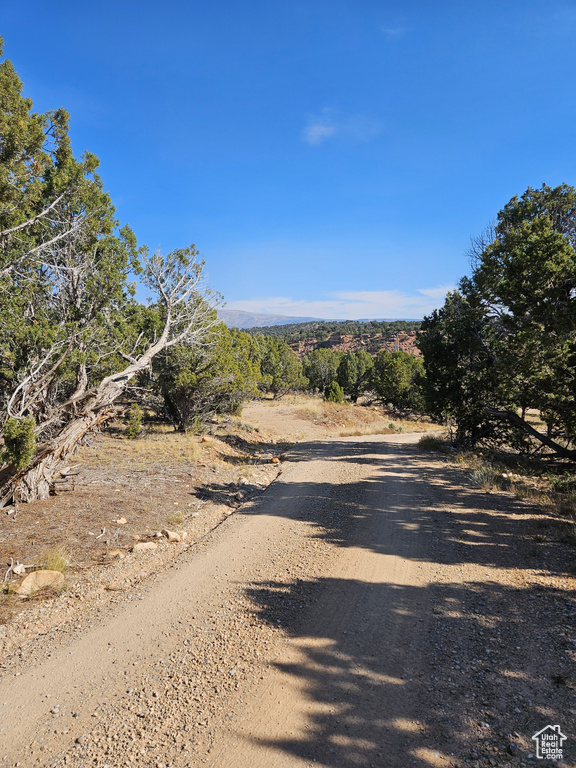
(57, 559)
(176, 517)
(467, 459)
(564, 484)
(431, 443)
(334, 393)
(134, 426)
(484, 477)
(19, 441)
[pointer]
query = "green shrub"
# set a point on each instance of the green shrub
(134, 426)
(19, 441)
(484, 477)
(432, 443)
(563, 484)
(334, 393)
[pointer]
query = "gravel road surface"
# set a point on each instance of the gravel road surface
(366, 610)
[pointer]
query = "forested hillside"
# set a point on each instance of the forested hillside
(347, 335)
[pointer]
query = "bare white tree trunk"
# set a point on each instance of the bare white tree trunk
(188, 318)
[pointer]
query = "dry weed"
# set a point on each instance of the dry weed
(55, 559)
(467, 459)
(176, 517)
(524, 491)
(483, 474)
(484, 477)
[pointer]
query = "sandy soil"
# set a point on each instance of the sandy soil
(367, 609)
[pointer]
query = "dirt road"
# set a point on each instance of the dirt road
(367, 610)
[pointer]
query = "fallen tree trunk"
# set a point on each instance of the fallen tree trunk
(34, 481)
(511, 416)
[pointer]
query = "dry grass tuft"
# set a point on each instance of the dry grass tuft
(483, 474)
(55, 559)
(176, 517)
(467, 459)
(484, 477)
(523, 491)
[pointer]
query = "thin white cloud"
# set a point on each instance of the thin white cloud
(330, 123)
(318, 131)
(393, 32)
(437, 293)
(351, 305)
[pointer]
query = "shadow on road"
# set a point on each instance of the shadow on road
(484, 528)
(447, 673)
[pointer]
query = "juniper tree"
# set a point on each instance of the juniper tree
(513, 338)
(72, 335)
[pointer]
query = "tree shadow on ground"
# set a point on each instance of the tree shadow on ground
(486, 528)
(231, 494)
(489, 664)
(252, 452)
(480, 681)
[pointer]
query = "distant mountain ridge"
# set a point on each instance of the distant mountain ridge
(236, 318)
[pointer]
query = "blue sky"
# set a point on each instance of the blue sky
(329, 158)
